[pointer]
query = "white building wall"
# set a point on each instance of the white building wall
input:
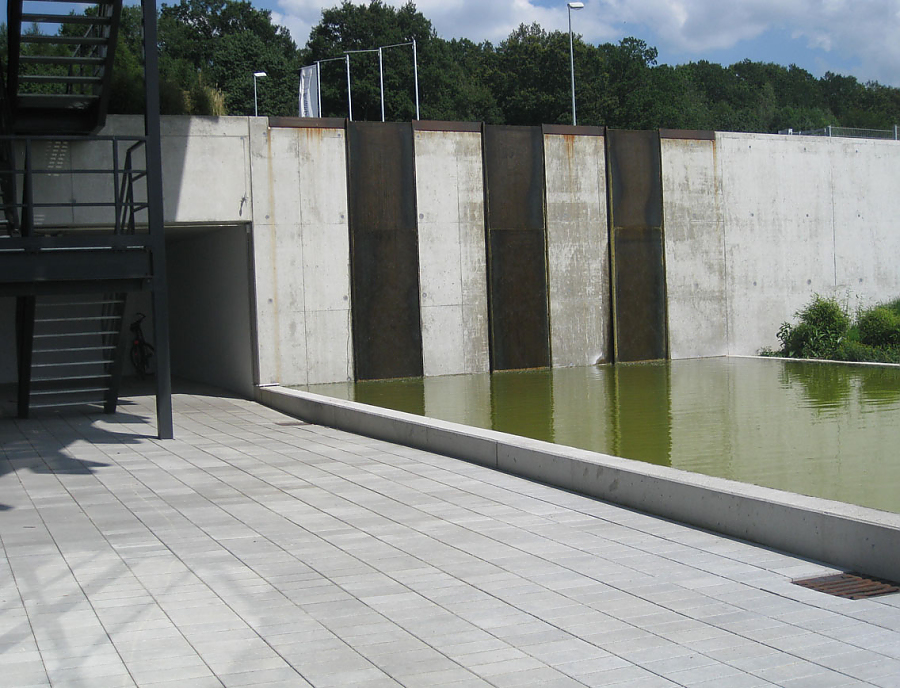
(452, 259)
(577, 249)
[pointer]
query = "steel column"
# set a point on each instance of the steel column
(157, 229)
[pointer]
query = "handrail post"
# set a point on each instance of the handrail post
(27, 194)
(116, 192)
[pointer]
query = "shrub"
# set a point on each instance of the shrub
(823, 326)
(879, 327)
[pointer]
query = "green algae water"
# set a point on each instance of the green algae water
(824, 430)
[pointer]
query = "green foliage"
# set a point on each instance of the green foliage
(825, 331)
(823, 326)
(209, 50)
(879, 327)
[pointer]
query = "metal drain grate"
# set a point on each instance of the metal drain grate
(850, 585)
(291, 423)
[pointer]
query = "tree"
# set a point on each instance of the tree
(220, 44)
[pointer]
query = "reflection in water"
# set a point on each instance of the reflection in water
(820, 429)
(825, 387)
(643, 419)
(522, 403)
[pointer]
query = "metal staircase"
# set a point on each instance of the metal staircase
(77, 352)
(59, 79)
(72, 251)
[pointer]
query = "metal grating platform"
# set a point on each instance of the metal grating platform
(851, 586)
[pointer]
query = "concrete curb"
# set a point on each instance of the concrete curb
(841, 535)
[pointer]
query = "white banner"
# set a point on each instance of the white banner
(309, 92)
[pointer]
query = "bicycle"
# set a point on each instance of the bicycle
(141, 351)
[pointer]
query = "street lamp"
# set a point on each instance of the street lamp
(257, 75)
(572, 6)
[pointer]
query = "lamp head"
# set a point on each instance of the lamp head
(259, 74)
(575, 5)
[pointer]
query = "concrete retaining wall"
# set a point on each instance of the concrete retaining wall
(577, 249)
(301, 254)
(754, 225)
(452, 263)
(844, 536)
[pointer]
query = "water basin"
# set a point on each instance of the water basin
(820, 429)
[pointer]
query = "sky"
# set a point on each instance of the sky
(859, 38)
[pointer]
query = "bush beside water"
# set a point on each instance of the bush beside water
(825, 330)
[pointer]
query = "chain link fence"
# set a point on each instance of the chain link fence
(847, 132)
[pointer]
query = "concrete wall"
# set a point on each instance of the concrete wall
(577, 249)
(756, 224)
(210, 307)
(452, 264)
(695, 248)
(301, 254)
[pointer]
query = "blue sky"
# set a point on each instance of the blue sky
(859, 37)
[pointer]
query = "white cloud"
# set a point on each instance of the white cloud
(861, 33)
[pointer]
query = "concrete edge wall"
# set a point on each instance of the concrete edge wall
(841, 535)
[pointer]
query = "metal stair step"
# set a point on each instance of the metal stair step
(51, 79)
(71, 378)
(79, 390)
(67, 403)
(47, 18)
(74, 334)
(60, 60)
(72, 349)
(68, 363)
(53, 304)
(43, 39)
(78, 318)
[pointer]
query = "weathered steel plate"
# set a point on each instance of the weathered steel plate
(384, 256)
(637, 239)
(640, 294)
(514, 167)
(520, 330)
(634, 174)
(516, 228)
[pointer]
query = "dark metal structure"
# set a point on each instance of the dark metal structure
(71, 257)
(516, 244)
(637, 245)
(384, 251)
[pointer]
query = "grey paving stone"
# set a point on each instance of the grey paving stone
(245, 552)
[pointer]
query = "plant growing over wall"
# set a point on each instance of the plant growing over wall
(825, 330)
(823, 326)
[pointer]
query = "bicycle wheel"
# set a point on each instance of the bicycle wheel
(140, 358)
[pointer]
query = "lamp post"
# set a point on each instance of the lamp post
(256, 75)
(572, 6)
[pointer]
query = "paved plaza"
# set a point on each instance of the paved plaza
(256, 550)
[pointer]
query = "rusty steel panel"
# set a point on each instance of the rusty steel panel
(637, 242)
(384, 256)
(516, 241)
(520, 329)
(514, 168)
(640, 292)
(635, 181)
